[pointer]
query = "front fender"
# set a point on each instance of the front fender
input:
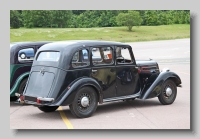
(69, 94)
(154, 84)
(15, 87)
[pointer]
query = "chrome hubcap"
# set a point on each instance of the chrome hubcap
(168, 91)
(85, 101)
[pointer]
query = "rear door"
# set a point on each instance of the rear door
(103, 69)
(127, 76)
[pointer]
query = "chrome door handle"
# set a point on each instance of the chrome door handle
(94, 70)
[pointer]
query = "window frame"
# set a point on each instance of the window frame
(101, 46)
(88, 63)
(36, 58)
(130, 53)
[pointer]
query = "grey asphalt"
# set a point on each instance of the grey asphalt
(137, 114)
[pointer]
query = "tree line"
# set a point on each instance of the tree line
(96, 18)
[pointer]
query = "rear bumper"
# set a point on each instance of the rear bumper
(34, 100)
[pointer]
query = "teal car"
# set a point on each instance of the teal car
(20, 65)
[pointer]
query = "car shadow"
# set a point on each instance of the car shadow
(101, 109)
(17, 104)
(121, 105)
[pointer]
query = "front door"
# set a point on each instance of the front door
(127, 77)
(103, 69)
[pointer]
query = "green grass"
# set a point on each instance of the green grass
(120, 34)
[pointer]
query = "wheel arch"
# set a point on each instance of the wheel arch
(175, 79)
(99, 95)
(71, 90)
(17, 83)
(153, 89)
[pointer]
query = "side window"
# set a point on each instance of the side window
(80, 58)
(123, 55)
(102, 55)
(26, 54)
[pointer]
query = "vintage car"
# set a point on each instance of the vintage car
(62, 74)
(21, 58)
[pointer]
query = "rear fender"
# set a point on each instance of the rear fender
(69, 94)
(154, 84)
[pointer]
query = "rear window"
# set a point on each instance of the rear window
(48, 56)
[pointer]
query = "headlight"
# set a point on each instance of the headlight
(165, 69)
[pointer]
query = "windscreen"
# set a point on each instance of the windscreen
(48, 56)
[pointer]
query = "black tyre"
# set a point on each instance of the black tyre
(22, 86)
(48, 108)
(20, 90)
(169, 92)
(85, 103)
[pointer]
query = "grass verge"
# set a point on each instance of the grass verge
(119, 34)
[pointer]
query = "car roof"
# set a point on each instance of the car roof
(77, 44)
(68, 48)
(16, 46)
(27, 43)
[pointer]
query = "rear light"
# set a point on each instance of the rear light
(38, 101)
(139, 70)
(21, 98)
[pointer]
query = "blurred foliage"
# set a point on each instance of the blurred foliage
(96, 18)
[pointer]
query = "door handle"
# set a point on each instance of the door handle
(94, 70)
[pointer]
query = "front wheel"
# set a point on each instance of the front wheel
(169, 92)
(85, 103)
(48, 108)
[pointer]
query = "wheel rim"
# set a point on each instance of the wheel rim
(84, 101)
(23, 56)
(168, 91)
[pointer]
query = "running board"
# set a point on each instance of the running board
(121, 97)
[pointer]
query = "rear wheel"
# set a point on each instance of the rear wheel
(22, 86)
(48, 108)
(169, 92)
(20, 90)
(85, 103)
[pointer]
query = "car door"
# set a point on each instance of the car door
(103, 69)
(127, 76)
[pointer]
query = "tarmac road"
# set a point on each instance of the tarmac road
(136, 114)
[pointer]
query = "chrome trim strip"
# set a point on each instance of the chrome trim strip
(121, 97)
(31, 102)
(45, 99)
